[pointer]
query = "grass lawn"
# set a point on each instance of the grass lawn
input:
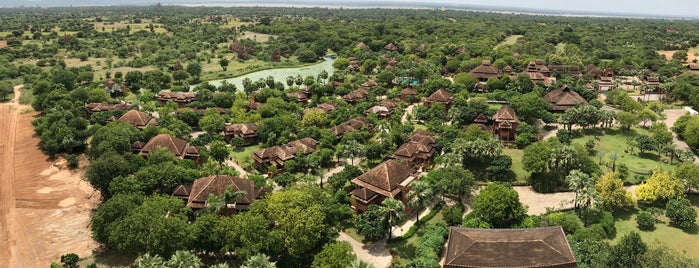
(510, 40)
(615, 141)
(240, 156)
(517, 166)
(352, 232)
(678, 239)
(406, 249)
(419, 127)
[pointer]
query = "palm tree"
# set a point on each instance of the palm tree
(613, 156)
(149, 261)
(352, 149)
(184, 259)
(394, 210)
(259, 260)
(420, 196)
(452, 160)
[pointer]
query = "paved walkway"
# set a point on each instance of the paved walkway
(375, 254)
(538, 203)
(408, 110)
(670, 117)
(241, 172)
(410, 221)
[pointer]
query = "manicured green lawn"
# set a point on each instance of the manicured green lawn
(241, 155)
(675, 238)
(405, 250)
(616, 141)
(517, 166)
(510, 40)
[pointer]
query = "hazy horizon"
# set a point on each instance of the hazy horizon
(663, 8)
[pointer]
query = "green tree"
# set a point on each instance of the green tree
(420, 196)
(499, 206)
(224, 63)
(612, 193)
(212, 122)
(219, 151)
(584, 187)
(645, 220)
(535, 157)
(184, 259)
(688, 174)
(530, 107)
(646, 115)
(70, 260)
(194, 69)
(627, 253)
(660, 187)
(627, 119)
(372, 224)
(157, 226)
(334, 255)
(681, 213)
(259, 260)
(104, 169)
(149, 261)
(394, 211)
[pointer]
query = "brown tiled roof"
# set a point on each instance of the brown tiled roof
(505, 114)
(349, 126)
(138, 145)
(391, 47)
(102, 107)
(440, 95)
(138, 119)
(486, 70)
(356, 95)
(364, 194)
(480, 119)
(385, 178)
(563, 98)
(408, 92)
(176, 96)
(593, 70)
(328, 106)
(533, 247)
(369, 83)
(297, 96)
(361, 45)
(241, 129)
(182, 191)
(177, 146)
(216, 185)
(278, 154)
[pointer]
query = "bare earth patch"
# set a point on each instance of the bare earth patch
(44, 208)
(258, 37)
(3, 43)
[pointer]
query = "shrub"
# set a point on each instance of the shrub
(645, 221)
(453, 215)
(72, 161)
(568, 221)
(681, 213)
(432, 241)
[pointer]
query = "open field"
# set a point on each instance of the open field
(510, 40)
(258, 37)
(690, 54)
(133, 27)
(240, 156)
(614, 141)
(517, 166)
(683, 241)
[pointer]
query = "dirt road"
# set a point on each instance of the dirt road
(44, 207)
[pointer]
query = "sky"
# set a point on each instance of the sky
(670, 8)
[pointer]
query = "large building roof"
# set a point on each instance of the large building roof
(385, 178)
(505, 113)
(177, 146)
(441, 96)
(563, 98)
(216, 185)
(138, 119)
(485, 71)
(533, 247)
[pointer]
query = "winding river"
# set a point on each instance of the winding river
(281, 74)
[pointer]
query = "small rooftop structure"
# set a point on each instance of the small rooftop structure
(197, 195)
(440, 96)
(181, 98)
(138, 119)
(179, 147)
(563, 98)
(485, 71)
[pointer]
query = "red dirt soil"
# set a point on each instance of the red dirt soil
(44, 207)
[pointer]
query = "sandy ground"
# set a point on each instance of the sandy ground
(44, 207)
(3, 44)
(375, 254)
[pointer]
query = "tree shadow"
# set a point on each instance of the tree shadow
(694, 229)
(114, 259)
(403, 249)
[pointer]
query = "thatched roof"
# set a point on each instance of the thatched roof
(385, 178)
(485, 71)
(563, 98)
(138, 119)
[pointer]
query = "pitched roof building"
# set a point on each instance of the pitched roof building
(278, 155)
(384, 109)
(179, 147)
(418, 150)
(353, 124)
(505, 123)
(563, 98)
(407, 93)
(440, 96)
(356, 95)
(248, 132)
(532, 247)
(485, 71)
(95, 107)
(389, 179)
(181, 98)
(138, 119)
(197, 195)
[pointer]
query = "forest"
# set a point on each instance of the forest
(400, 79)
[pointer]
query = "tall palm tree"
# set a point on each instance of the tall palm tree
(613, 156)
(420, 196)
(394, 211)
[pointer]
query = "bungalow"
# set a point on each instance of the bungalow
(353, 124)
(278, 155)
(95, 107)
(299, 97)
(355, 96)
(653, 82)
(693, 67)
(505, 124)
(407, 94)
(440, 96)
(390, 179)
(383, 110)
(529, 247)
(179, 147)
(593, 71)
(417, 151)
(325, 107)
(248, 132)
(181, 98)
(138, 119)
(563, 98)
(196, 196)
(485, 71)
(390, 47)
